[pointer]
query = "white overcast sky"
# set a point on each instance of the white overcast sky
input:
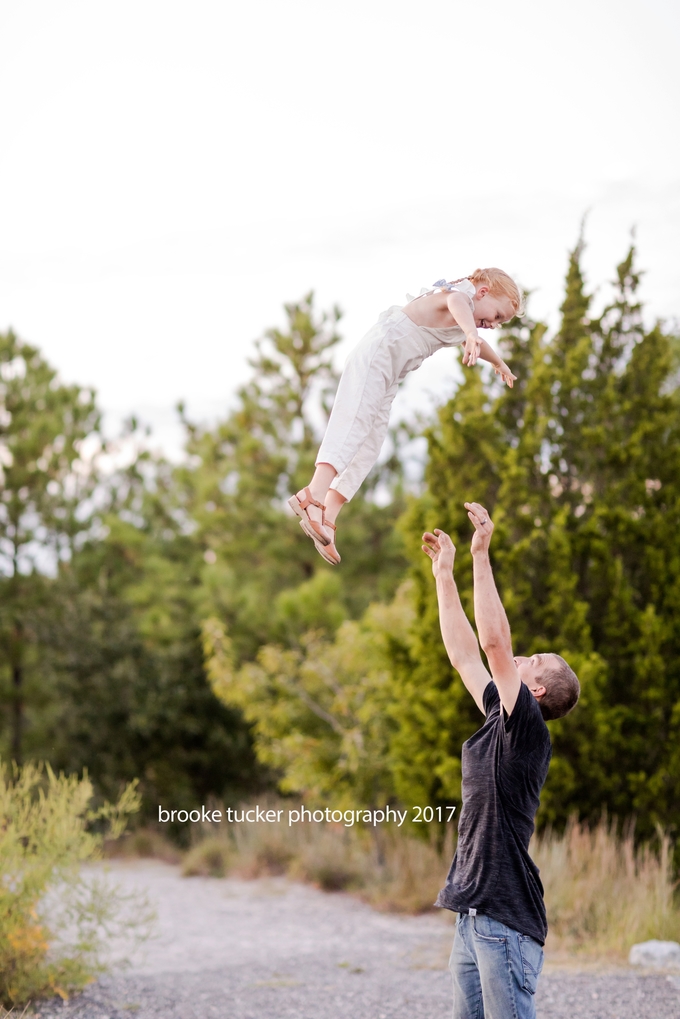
(171, 173)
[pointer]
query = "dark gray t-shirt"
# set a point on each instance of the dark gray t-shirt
(504, 766)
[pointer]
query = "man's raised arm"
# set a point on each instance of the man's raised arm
(459, 638)
(492, 623)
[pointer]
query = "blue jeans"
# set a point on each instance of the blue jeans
(495, 970)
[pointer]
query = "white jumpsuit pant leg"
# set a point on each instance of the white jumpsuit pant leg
(361, 411)
(349, 481)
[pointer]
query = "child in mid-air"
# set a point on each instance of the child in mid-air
(446, 316)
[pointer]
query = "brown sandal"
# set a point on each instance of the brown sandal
(328, 552)
(312, 528)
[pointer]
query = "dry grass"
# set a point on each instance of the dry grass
(602, 893)
(148, 843)
(407, 873)
(391, 870)
(209, 858)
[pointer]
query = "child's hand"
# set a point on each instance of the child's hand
(472, 348)
(505, 373)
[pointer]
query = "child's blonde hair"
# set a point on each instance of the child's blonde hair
(499, 282)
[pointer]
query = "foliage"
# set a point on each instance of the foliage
(112, 565)
(54, 922)
(578, 465)
(102, 662)
(603, 893)
(46, 485)
(126, 621)
(319, 711)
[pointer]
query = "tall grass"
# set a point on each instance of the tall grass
(602, 892)
(391, 870)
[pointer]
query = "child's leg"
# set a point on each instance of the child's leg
(355, 432)
(308, 503)
(318, 487)
(320, 483)
(367, 385)
(334, 503)
(339, 488)
(346, 483)
(357, 425)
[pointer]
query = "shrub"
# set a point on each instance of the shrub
(55, 919)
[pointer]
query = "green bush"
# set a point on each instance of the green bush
(54, 918)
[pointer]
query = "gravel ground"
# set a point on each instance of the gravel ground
(272, 949)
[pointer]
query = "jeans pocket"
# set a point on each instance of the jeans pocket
(490, 930)
(532, 962)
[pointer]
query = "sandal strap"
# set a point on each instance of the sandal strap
(327, 523)
(309, 500)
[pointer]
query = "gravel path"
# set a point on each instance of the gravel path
(272, 949)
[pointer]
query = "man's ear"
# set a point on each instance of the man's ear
(539, 692)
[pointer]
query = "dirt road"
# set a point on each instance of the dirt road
(272, 949)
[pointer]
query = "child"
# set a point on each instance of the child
(446, 316)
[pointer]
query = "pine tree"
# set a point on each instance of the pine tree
(46, 486)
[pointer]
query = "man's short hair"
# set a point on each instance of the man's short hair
(562, 689)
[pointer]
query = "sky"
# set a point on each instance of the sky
(172, 173)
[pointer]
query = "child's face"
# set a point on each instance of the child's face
(491, 310)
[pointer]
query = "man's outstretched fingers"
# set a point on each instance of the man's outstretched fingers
(431, 546)
(440, 538)
(479, 516)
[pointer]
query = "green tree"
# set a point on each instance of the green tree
(130, 697)
(46, 486)
(320, 711)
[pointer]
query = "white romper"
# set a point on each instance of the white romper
(390, 350)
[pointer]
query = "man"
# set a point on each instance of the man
(493, 884)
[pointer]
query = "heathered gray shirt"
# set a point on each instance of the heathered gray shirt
(504, 766)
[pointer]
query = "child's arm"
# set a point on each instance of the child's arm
(475, 346)
(459, 306)
(487, 353)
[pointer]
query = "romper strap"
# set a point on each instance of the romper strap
(441, 285)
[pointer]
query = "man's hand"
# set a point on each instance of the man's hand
(492, 623)
(459, 638)
(441, 551)
(483, 524)
(472, 349)
(505, 373)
